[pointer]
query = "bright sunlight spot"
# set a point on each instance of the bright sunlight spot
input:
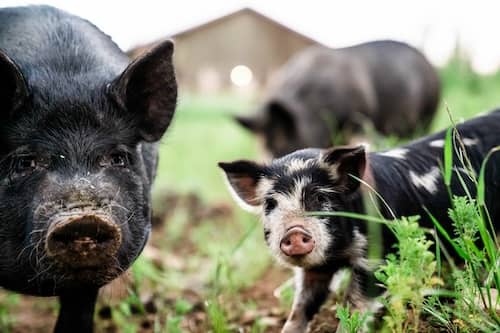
(241, 76)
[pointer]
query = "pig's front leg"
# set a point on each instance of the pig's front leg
(312, 289)
(76, 314)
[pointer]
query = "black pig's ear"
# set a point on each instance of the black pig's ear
(148, 90)
(243, 179)
(343, 163)
(280, 114)
(253, 123)
(13, 89)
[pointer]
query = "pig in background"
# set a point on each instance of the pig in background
(78, 133)
(324, 96)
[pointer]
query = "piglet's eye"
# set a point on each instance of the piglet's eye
(320, 198)
(269, 205)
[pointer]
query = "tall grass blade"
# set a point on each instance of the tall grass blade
(481, 190)
(350, 215)
(448, 157)
(377, 194)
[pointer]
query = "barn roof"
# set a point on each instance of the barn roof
(239, 12)
(222, 19)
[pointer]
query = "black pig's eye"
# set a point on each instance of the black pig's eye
(25, 164)
(114, 160)
(119, 160)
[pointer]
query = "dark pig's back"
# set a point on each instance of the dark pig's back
(406, 85)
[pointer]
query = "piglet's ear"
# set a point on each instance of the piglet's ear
(13, 89)
(243, 178)
(343, 163)
(147, 89)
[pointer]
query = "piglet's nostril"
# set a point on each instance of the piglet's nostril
(297, 242)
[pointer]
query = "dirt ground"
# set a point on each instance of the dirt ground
(157, 308)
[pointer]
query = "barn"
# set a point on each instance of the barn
(235, 52)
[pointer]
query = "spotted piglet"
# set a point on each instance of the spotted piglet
(408, 178)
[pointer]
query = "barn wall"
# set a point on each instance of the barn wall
(245, 39)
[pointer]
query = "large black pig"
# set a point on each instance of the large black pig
(323, 95)
(78, 126)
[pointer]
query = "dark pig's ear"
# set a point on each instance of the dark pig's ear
(253, 123)
(281, 114)
(148, 90)
(343, 163)
(282, 121)
(13, 88)
(243, 178)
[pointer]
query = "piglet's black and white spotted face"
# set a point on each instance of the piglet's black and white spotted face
(283, 191)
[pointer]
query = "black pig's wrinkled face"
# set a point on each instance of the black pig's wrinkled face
(283, 192)
(75, 173)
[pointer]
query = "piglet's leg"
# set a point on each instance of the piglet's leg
(311, 292)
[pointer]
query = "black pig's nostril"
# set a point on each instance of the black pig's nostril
(83, 240)
(83, 232)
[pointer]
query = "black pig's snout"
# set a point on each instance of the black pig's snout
(83, 239)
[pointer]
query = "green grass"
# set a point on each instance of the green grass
(475, 240)
(409, 275)
(202, 134)
(350, 321)
(465, 93)
(6, 303)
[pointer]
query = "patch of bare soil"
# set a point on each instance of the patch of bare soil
(34, 315)
(268, 311)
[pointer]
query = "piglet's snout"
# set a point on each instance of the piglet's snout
(297, 242)
(83, 239)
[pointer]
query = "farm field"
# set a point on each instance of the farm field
(206, 268)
